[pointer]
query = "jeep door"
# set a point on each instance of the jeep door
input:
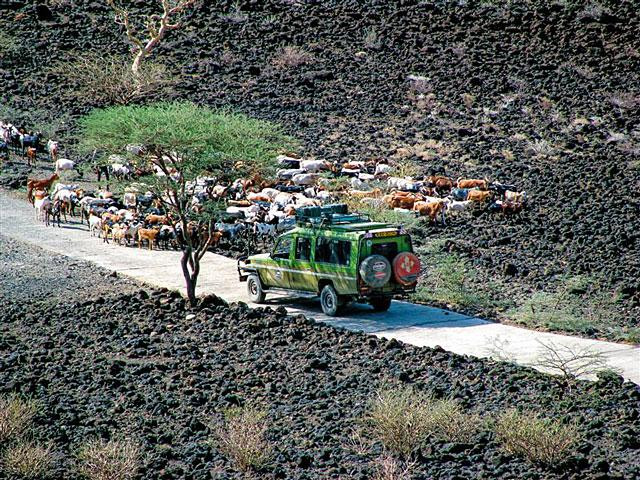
(302, 276)
(277, 272)
(335, 260)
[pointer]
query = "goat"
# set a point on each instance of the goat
(430, 209)
(95, 224)
(382, 169)
(305, 178)
(440, 183)
(375, 193)
(515, 197)
(32, 156)
(478, 195)
(156, 219)
(64, 164)
(52, 148)
(455, 206)
(472, 183)
(41, 203)
(314, 166)
(148, 234)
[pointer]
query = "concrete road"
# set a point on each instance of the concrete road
(414, 324)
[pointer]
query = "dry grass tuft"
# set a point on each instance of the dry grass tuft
(16, 415)
(109, 460)
(290, 57)
(389, 468)
(450, 423)
(537, 439)
(242, 438)
(27, 460)
(402, 418)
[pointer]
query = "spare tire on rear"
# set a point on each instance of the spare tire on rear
(375, 271)
(406, 268)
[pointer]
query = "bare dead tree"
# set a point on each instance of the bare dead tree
(156, 27)
(569, 362)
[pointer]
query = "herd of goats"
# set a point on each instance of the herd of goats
(255, 208)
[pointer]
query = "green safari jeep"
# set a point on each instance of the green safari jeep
(339, 256)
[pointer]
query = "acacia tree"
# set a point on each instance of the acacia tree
(183, 141)
(156, 27)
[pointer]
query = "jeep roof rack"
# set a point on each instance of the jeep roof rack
(328, 215)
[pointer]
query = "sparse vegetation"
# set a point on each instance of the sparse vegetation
(27, 460)
(16, 415)
(242, 438)
(537, 439)
(235, 14)
(540, 148)
(108, 79)
(8, 45)
(397, 418)
(448, 279)
(449, 421)
(405, 168)
(109, 460)
(389, 468)
(371, 39)
(579, 304)
(291, 57)
(401, 418)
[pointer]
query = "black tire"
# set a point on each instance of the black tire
(254, 289)
(329, 301)
(381, 304)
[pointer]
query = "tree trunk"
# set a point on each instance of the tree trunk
(190, 277)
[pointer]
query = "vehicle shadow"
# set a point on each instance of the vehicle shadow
(363, 318)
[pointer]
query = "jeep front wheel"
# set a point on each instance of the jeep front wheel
(329, 301)
(254, 289)
(381, 304)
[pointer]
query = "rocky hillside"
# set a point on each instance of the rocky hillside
(542, 94)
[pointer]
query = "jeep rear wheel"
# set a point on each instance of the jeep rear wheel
(380, 304)
(329, 301)
(254, 289)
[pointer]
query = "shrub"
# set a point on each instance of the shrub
(406, 168)
(540, 148)
(27, 460)
(109, 460)
(450, 423)
(401, 419)
(398, 418)
(371, 38)
(579, 304)
(16, 415)
(537, 439)
(450, 280)
(108, 79)
(242, 438)
(290, 57)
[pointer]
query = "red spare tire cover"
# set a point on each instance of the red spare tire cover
(406, 267)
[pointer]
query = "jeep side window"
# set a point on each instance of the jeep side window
(282, 248)
(303, 249)
(333, 251)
